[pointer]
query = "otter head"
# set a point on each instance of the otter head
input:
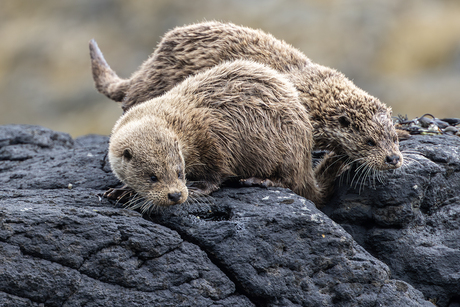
(346, 119)
(368, 137)
(349, 121)
(147, 157)
(361, 128)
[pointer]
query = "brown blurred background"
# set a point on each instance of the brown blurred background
(406, 52)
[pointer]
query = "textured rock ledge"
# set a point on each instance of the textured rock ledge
(62, 246)
(411, 220)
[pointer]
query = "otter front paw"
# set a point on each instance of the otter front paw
(200, 188)
(258, 182)
(119, 194)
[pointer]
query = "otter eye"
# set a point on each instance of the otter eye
(127, 154)
(344, 121)
(153, 178)
(371, 143)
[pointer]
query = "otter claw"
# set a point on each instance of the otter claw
(257, 182)
(266, 183)
(118, 194)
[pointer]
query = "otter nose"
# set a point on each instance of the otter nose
(393, 160)
(174, 196)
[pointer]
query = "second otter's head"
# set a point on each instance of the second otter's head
(147, 157)
(369, 138)
(349, 121)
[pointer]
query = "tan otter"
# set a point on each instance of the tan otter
(346, 120)
(238, 119)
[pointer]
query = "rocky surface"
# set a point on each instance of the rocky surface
(61, 244)
(410, 220)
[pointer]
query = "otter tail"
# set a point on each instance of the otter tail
(106, 80)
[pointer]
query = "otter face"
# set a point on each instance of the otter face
(149, 161)
(370, 139)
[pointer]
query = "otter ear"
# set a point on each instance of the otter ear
(344, 121)
(127, 154)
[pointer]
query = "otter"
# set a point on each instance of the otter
(238, 119)
(346, 120)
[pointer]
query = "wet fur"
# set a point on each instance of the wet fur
(345, 119)
(236, 120)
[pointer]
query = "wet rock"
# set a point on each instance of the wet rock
(64, 245)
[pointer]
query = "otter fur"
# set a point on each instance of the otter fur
(239, 119)
(346, 120)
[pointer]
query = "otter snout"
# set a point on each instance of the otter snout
(393, 159)
(175, 197)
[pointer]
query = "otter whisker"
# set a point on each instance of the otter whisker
(349, 171)
(407, 161)
(347, 162)
(128, 203)
(360, 179)
(200, 198)
(350, 162)
(353, 161)
(195, 201)
(134, 202)
(133, 199)
(371, 177)
(147, 207)
(342, 175)
(337, 159)
(363, 177)
(357, 173)
(154, 208)
(354, 176)
(412, 152)
(366, 176)
(141, 205)
(190, 200)
(380, 176)
(377, 177)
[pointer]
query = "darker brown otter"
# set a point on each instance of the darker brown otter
(345, 119)
(238, 119)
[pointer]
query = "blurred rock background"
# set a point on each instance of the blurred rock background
(406, 52)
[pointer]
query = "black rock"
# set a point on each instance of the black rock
(62, 244)
(410, 220)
